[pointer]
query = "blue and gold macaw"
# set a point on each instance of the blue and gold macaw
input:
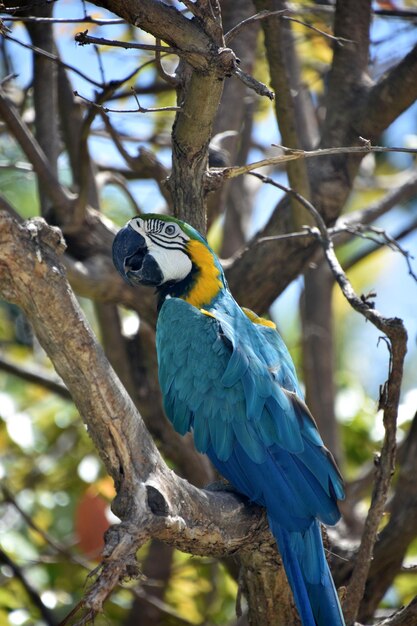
(227, 376)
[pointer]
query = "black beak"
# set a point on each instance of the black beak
(132, 260)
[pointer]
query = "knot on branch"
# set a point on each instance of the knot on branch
(81, 38)
(226, 63)
(41, 231)
(156, 502)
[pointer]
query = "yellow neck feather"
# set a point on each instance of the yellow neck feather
(208, 283)
(256, 319)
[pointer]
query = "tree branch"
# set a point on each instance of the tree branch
(348, 74)
(258, 264)
(398, 533)
(83, 39)
(391, 96)
(399, 195)
(55, 58)
(292, 154)
(405, 617)
(167, 23)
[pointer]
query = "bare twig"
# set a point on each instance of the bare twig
(111, 178)
(191, 7)
(159, 604)
(83, 39)
(78, 213)
(307, 233)
(346, 231)
(381, 238)
(100, 64)
(291, 154)
(7, 78)
(139, 109)
(145, 163)
(285, 15)
(233, 32)
(339, 40)
(252, 83)
(399, 195)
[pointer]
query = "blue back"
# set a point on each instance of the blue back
(233, 384)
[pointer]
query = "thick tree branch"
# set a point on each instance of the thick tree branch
(348, 74)
(199, 43)
(391, 96)
(151, 500)
(167, 23)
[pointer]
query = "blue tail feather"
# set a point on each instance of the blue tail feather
(308, 575)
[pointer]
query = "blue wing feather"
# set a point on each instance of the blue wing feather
(233, 384)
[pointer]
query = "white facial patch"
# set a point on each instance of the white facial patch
(174, 264)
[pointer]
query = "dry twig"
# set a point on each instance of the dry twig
(291, 154)
(139, 109)
(84, 39)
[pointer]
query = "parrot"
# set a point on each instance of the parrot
(227, 377)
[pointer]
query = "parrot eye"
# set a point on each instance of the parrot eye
(170, 230)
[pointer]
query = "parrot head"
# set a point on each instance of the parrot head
(166, 253)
